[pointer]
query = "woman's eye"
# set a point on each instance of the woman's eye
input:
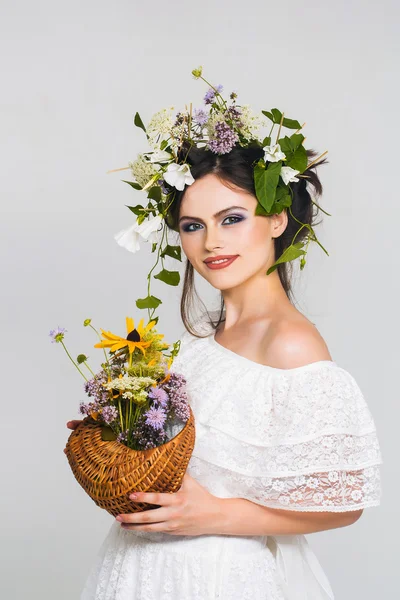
(232, 217)
(186, 227)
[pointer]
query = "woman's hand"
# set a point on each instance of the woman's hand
(73, 425)
(192, 510)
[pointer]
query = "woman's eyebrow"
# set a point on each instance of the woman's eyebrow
(217, 214)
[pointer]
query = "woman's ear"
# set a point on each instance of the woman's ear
(278, 223)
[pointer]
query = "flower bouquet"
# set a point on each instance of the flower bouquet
(138, 433)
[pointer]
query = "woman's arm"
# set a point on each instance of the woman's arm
(237, 516)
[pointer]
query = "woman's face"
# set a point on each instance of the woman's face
(236, 231)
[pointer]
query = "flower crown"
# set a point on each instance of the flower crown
(164, 170)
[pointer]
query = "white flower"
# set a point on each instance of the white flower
(148, 230)
(289, 174)
(251, 121)
(159, 156)
(160, 126)
(273, 153)
(178, 175)
(142, 170)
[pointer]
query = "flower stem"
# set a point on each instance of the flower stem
(104, 350)
(87, 366)
(72, 360)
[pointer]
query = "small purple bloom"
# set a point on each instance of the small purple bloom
(159, 395)
(176, 389)
(164, 189)
(210, 94)
(109, 414)
(155, 417)
(234, 113)
(225, 139)
(57, 334)
(200, 116)
(123, 436)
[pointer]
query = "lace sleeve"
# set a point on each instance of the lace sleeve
(303, 440)
(336, 466)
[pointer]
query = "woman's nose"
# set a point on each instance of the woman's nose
(213, 240)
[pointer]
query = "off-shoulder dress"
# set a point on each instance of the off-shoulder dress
(300, 439)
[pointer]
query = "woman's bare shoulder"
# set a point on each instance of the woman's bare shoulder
(294, 341)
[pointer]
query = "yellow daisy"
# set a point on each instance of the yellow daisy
(133, 340)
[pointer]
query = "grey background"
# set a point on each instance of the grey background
(73, 75)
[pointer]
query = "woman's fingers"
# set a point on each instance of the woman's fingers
(74, 423)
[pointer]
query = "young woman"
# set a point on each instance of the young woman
(285, 442)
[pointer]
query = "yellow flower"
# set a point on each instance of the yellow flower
(133, 340)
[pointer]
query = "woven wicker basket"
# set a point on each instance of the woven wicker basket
(109, 471)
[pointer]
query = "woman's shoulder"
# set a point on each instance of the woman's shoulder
(293, 341)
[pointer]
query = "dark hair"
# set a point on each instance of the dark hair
(236, 168)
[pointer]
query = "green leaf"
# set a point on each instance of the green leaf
(155, 193)
(169, 277)
(291, 253)
(141, 218)
(154, 246)
(138, 122)
(291, 123)
(163, 144)
(148, 302)
(298, 160)
(266, 181)
(275, 116)
(268, 114)
(137, 210)
(133, 184)
(107, 434)
(276, 208)
(283, 197)
(296, 155)
(296, 140)
(286, 145)
(260, 211)
(266, 141)
(173, 251)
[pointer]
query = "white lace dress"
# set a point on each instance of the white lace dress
(300, 439)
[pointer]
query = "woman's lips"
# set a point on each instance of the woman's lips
(221, 265)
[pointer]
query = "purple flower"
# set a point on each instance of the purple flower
(87, 409)
(200, 116)
(161, 183)
(57, 334)
(225, 139)
(176, 389)
(144, 436)
(123, 436)
(95, 389)
(210, 94)
(234, 113)
(109, 414)
(155, 417)
(159, 395)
